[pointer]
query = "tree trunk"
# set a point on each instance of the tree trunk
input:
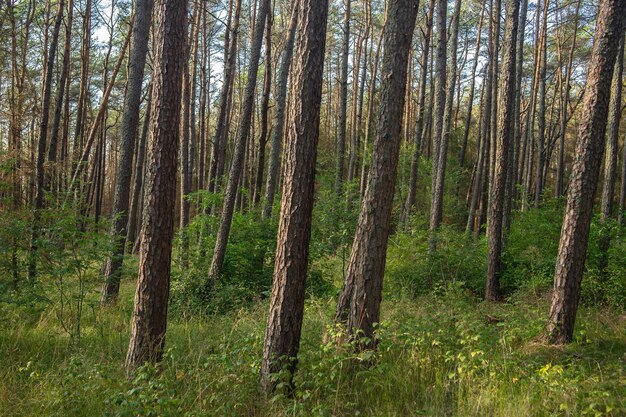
(282, 335)
(150, 312)
(585, 172)
(362, 290)
(506, 126)
(130, 124)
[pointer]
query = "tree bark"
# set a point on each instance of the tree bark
(504, 134)
(150, 312)
(282, 335)
(362, 290)
(585, 172)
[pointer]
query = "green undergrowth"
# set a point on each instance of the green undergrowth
(444, 353)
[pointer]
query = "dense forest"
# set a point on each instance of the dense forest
(312, 207)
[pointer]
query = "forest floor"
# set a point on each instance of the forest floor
(445, 353)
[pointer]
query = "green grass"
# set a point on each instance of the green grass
(442, 353)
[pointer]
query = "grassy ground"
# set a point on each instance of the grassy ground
(444, 353)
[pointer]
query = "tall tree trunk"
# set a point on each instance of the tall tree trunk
(585, 172)
(130, 124)
(279, 115)
(236, 166)
(150, 312)
(506, 126)
(284, 324)
(362, 290)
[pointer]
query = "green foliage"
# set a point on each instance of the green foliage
(248, 265)
(412, 269)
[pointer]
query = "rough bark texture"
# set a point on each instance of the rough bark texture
(236, 167)
(279, 116)
(282, 336)
(155, 254)
(585, 171)
(504, 134)
(364, 276)
(130, 124)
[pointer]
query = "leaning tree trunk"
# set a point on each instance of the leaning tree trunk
(236, 166)
(130, 124)
(504, 134)
(150, 312)
(585, 172)
(362, 290)
(282, 335)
